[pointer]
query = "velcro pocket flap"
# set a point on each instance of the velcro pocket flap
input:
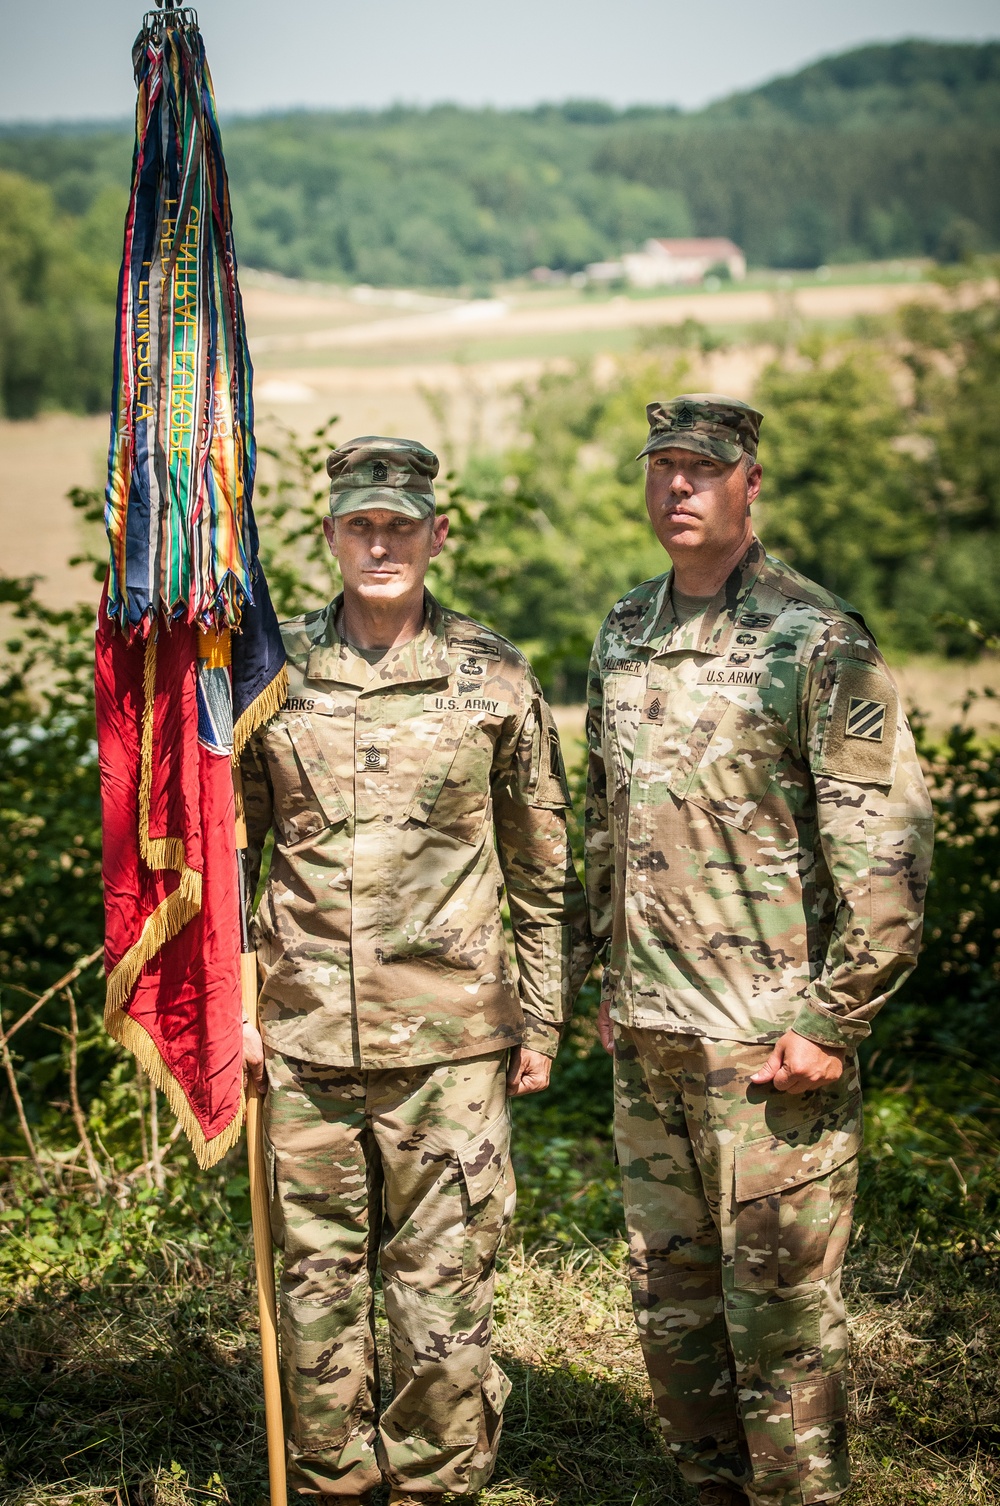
(453, 788)
(733, 754)
(859, 738)
(437, 766)
(496, 1388)
(773, 1164)
(315, 769)
(899, 854)
(483, 1159)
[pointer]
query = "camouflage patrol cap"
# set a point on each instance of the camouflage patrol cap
(705, 422)
(370, 472)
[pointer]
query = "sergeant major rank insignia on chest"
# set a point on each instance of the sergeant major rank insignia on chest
(372, 759)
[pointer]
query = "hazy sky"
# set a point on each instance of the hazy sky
(69, 59)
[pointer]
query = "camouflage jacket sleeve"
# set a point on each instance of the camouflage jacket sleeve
(875, 829)
(257, 807)
(599, 853)
(547, 906)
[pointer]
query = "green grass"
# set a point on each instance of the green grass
(146, 1390)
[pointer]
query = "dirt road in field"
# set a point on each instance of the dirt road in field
(392, 362)
(499, 319)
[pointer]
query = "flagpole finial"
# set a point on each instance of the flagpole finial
(168, 13)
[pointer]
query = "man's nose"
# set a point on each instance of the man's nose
(379, 548)
(680, 486)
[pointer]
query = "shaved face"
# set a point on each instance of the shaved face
(699, 506)
(383, 556)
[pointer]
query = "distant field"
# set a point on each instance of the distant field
(373, 356)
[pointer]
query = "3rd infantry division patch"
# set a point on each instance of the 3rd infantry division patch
(865, 719)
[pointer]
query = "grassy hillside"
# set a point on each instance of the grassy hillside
(450, 196)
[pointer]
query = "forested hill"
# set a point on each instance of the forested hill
(883, 151)
(908, 83)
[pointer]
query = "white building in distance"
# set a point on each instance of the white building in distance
(669, 262)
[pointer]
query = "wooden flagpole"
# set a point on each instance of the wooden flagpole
(260, 1198)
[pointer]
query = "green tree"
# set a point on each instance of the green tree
(561, 527)
(55, 308)
(843, 501)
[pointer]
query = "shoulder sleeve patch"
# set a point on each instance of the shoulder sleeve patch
(546, 784)
(859, 738)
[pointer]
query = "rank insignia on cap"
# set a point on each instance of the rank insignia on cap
(380, 471)
(684, 417)
(865, 719)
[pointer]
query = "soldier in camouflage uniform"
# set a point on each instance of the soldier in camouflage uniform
(413, 774)
(759, 837)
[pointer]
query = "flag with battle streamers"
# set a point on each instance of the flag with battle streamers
(189, 655)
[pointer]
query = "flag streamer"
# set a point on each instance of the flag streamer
(182, 458)
(189, 655)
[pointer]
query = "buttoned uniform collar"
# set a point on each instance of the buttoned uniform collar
(711, 630)
(424, 658)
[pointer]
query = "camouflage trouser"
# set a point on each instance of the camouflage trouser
(408, 1170)
(738, 1201)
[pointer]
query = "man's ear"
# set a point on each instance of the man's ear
(330, 531)
(439, 534)
(754, 475)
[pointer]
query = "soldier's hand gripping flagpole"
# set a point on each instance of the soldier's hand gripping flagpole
(260, 1201)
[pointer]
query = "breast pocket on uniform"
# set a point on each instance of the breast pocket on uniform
(733, 753)
(307, 798)
(623, 697)
(453, 788)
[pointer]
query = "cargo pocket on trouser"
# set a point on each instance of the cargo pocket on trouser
(496, 1389)
(442, 1427)
(784, 1310)
(487, 1197)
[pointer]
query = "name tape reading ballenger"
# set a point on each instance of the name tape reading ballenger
(624, 666)
(469, 703)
